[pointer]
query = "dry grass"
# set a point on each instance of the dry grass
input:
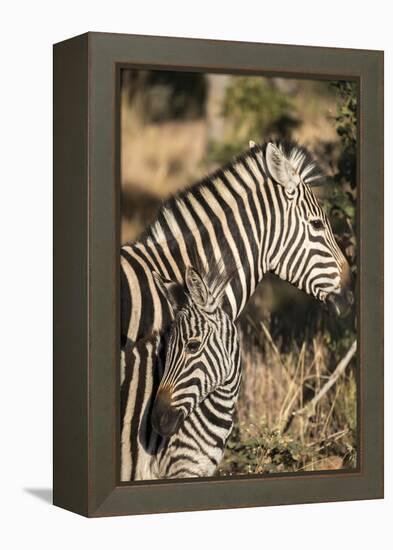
(267, 436)
(162, 159)
(157, 160)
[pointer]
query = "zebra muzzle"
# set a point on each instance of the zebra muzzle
(165, 418)
(340, 303)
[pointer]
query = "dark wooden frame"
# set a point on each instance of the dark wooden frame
(86, 269)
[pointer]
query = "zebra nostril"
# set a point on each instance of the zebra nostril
(165, 418)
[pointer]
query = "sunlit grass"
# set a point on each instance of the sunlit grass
(269, 436)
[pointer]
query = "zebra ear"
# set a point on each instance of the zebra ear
(172, 291)
(197, 288)
(280, 168)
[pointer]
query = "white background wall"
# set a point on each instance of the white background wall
(28, 30)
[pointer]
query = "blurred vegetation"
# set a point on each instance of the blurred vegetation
(252, 106)
(341, 205)
(162, 96)
(175, 130)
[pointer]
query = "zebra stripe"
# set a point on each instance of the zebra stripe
(251, 215)
(200, 387)
(255, 215)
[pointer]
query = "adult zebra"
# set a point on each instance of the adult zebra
(256, 214)
(193, 377)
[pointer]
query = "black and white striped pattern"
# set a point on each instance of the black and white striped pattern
(257, 214)
(193, 376)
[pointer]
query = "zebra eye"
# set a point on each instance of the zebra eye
(316, 224)
(193, 346)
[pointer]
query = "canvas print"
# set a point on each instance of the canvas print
(238, 275)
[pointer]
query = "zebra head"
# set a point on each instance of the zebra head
(202, 353)
(305, 253)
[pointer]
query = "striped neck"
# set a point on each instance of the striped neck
(247, 222)
(225, 218)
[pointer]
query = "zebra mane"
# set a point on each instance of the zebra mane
(300, 158)
(215, 275)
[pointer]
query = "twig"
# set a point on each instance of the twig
(336, 436)
(309, 409)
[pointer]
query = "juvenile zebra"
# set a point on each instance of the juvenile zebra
(178, 422)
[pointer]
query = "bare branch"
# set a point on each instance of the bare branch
(309, 409)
